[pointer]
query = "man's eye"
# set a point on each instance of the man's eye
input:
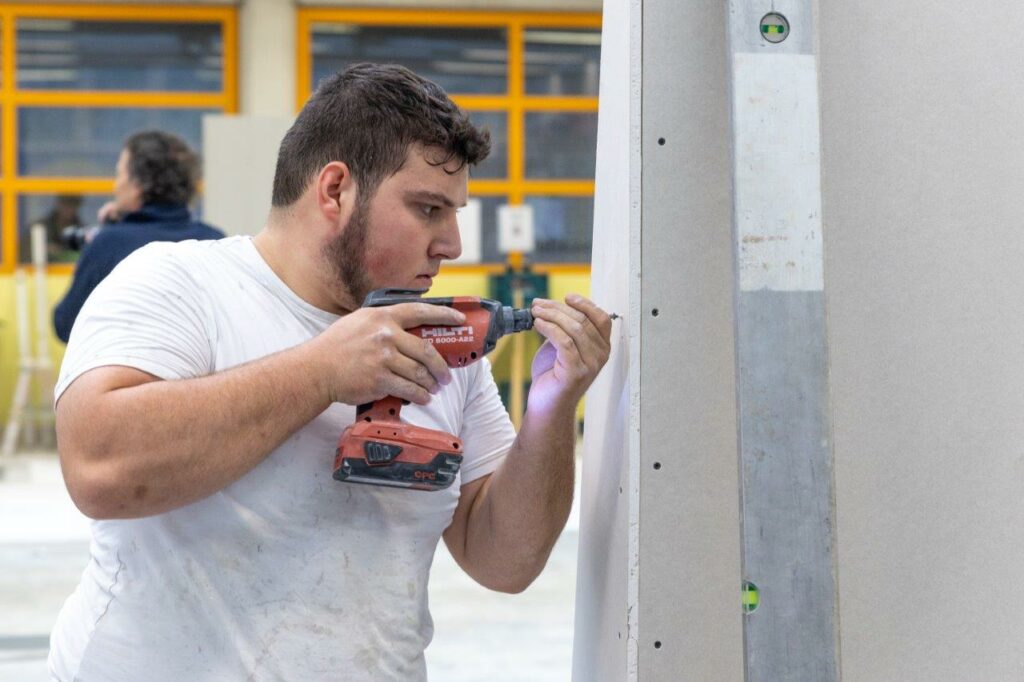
(428, 209)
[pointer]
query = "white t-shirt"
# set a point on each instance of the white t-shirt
(286, 574)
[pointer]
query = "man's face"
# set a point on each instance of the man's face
(399, 238)
(127, 193)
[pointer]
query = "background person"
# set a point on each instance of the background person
(155, 181)
(63, 214)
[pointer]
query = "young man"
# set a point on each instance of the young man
(155, 180)
(206, 386)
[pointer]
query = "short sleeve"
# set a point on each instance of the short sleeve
(487, 432)
(149, 314)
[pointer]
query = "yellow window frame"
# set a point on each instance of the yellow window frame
(11, 98)
(515, 102)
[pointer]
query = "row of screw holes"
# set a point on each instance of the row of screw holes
(654, 313)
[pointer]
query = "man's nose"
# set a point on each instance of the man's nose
(448, 245)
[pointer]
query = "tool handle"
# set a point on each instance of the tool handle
(385, 409)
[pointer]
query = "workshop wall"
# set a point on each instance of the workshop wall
(61, 129)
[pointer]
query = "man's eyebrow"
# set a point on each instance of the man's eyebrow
(427, 195)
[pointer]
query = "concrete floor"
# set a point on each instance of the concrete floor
(479, 635)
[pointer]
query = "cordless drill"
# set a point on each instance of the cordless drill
(379, 449)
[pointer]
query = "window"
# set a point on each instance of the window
(77, 80)
(530, 78)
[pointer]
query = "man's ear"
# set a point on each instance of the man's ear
(335, 190)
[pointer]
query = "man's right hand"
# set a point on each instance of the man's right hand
(108, 213)
(368, 354)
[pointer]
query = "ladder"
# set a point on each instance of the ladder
(33, 422)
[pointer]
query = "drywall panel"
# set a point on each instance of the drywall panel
(923, 170)
(239, 157)
(658, 594)
(604, 646)
(689, 618)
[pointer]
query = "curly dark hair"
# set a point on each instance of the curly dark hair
(368, 116)
(164, 166)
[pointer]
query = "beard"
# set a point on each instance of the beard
(346, 257)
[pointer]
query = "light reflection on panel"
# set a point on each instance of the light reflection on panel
(61, 54)
(561, 145)
(85, 142)
(562, 62)
(462, 61)
(563, 228)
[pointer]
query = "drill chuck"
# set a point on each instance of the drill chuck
(515, 320)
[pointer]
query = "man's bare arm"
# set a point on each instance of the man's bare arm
(507, 523)
(132, 445)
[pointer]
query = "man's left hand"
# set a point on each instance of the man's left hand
(578, 342)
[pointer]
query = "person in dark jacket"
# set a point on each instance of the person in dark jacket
(155, 181)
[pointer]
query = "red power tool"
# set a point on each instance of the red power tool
(379, 449)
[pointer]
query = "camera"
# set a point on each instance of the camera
(76, 237)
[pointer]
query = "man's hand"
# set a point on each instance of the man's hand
(578, 343)
(507, 522)
(108, 213)
(367, 354)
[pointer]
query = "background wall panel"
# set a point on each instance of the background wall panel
(923, 170)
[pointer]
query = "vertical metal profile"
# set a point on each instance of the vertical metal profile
(786, 472)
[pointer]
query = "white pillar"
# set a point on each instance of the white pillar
(267, 57)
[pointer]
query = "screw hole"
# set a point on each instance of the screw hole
(657, 645)
(473, 355)
(391, 411)
(455, 445)
(654, 312)
(661, 141)
(367, 419)
(657, 465)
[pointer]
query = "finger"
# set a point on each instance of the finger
(598, 317)
(589, 344)
(414, 371)
(564, 345)
(407, 390)
(581, 322)
(410, 315)
(422, 352)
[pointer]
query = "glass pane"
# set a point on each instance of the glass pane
(561, 145)
(87, 141)
(563, 228)
(562, 62)
(460, 60)
(489, 228)
(496, 164)
(119, 55)
(56, 213)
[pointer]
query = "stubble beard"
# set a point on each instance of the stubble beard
(346, 257)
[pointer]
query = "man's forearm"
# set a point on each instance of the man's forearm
(156, 446)
(511, 533)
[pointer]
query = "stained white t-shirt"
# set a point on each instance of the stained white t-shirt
(286, 574)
